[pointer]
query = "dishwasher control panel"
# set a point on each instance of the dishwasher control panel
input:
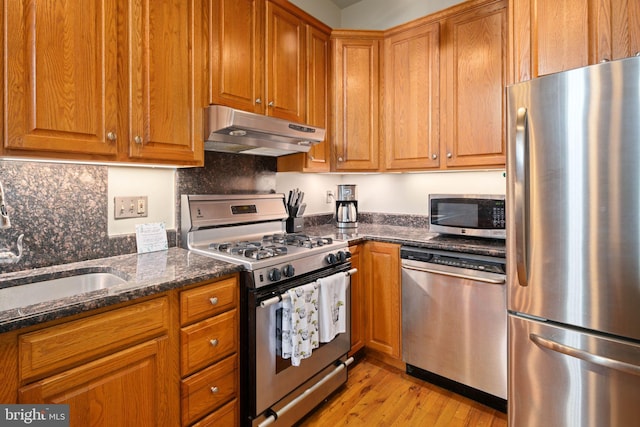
(454, 259)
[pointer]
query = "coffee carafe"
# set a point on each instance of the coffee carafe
(346, 206)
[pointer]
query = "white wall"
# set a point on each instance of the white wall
(158, 184)
(372, 14)
(394, 193)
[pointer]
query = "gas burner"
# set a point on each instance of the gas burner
(306, 241)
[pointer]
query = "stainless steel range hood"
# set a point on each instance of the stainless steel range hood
(235, 131)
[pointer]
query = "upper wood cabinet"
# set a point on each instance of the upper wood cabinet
(355, 95)
(61, 65)
(104, 80)
(257, 57)
(317, 83)
(165, 80)
(412, 97)
(553, 36)
(474, 74)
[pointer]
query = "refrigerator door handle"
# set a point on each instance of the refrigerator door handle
(585, 355)
(521, 204)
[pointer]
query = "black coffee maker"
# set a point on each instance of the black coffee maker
(346, 206)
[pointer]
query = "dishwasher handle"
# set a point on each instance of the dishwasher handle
(477, 278)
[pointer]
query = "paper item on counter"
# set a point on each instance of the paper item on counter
(151, 237)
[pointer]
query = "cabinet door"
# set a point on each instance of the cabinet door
(236, 47)
(61, 85)
(624, 27)
(411, 85)
(384, 321)
(474, 75)
(317, 69)
(129, 388)
(356, 95)
(285, 65)
(165, 78)
(358, 302)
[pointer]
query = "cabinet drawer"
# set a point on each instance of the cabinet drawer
(58, 347)
(209, 389)
(228, 415)
(205, 342)
(208, 300)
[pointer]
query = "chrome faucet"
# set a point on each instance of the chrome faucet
(4, 217)
(6, 255)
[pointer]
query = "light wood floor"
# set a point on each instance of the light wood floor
(379, 395)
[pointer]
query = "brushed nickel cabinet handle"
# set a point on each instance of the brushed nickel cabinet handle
(111, 136)
(258, 101)
(137, 139)
(214, 389)
(214, 342)
(213, 300)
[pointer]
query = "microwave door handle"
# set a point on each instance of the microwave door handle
(521, 196)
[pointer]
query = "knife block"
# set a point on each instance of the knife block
(295, 224)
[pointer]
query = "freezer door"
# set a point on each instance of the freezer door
(573, 197)
(561, 377)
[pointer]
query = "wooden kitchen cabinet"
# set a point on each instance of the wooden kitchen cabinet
(99, 80)
(317, 80)
(552, 36)
(258, 56)
(383, 296)
(358, 301)
(474, 74)
(412, 97)
(209, 360)
(355, 100)
(112, 368)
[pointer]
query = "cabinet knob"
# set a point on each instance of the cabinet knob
(603, 60)
(270, 104)
(449, 155)
(214, 389)
(258, 101)
(637, 54)
(213, 300)
(111, 136)
(137, 139)
(311, 157)
(214, 342)
(434, 156)
(340, 159)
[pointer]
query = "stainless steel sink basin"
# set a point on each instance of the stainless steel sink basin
(36, 292)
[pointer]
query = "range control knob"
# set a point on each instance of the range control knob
(288, 270)
(342, 256)
(331, 259)
(274, 275)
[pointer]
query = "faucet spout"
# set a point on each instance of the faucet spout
(4, 217)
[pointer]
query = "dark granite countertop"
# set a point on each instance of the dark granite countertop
(145, 274)
(414, 236)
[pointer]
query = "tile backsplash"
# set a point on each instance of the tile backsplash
(62, 209)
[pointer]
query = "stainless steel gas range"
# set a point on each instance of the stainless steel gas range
(250, 230)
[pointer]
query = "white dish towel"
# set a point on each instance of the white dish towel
(332, 313)
(300, 323)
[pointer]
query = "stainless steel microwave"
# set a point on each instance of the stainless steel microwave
(468, 215)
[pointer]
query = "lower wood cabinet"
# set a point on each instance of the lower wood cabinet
(358, 301)
(209, 361)
(382, 289)
(166, 360)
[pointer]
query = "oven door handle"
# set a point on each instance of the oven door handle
(276, 414)
(278, 298)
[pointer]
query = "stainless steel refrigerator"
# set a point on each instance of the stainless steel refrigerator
(573, 247)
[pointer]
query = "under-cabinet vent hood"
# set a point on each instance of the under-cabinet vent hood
(236, 131)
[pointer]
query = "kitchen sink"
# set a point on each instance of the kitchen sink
(15, 295)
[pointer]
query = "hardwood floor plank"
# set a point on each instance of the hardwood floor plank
(381, 395)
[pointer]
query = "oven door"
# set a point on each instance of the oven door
(275, 377)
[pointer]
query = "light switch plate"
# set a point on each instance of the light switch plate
(130, 207)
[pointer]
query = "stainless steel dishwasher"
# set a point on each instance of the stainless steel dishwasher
(454, 322)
